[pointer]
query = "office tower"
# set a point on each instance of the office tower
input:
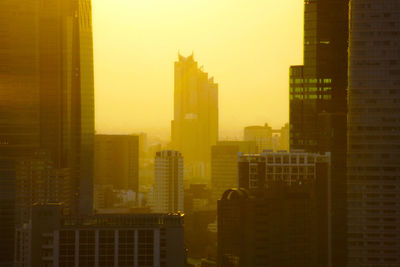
(116, 161)
(318, 102)
(262, 135)
(279, 216)
(54, 239)
(46, 97)
(168, 181)
(373, 159)
(224, 164)
(195, 126)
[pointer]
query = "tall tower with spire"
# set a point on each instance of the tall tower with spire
(195, 126)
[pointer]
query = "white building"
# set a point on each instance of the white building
(168, 182)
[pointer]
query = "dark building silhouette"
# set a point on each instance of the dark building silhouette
(373, 158)
(54, 239)
(117, 161)
(47, 102)
(318, 102)
(279, 215)
(275, 229)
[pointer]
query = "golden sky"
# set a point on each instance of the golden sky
(247, 45)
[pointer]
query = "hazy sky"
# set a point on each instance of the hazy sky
(247, 45)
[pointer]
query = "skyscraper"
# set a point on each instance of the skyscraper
(46, 88)
(373, 161)
(117, 161)
(195, 126)
(318, 102)
(168, 182)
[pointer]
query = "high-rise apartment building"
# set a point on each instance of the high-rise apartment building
(116, 161)
(195, 126)
(279, 216)
(224, 164)
(46, 96)
(168, 182)
(318, 102)
(145, 240)
(373, 159)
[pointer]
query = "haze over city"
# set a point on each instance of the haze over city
(238, 42)
(200, 133)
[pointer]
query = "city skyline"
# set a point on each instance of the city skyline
(216, 145)
(128, 53)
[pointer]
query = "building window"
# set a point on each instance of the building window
(67, 248)
(106, 247)
(126, 248)
(145, 248)
(86, 247)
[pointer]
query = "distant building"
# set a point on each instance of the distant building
(284, 138)
(168, 182)
(197, 198)
(262, 135)
(280, 214)
(104, 197)
(195, 126)
(224, 164)
(117, 161)
(53, 239)
(267, 138)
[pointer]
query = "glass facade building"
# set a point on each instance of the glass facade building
(318, 103)
(373, 159)
(47, 97)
